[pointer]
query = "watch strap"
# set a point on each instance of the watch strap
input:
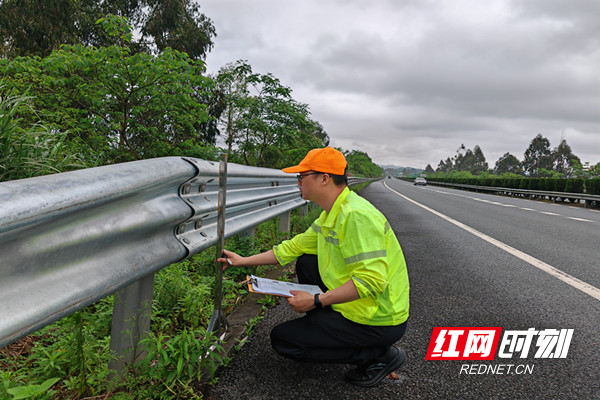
(318, 303)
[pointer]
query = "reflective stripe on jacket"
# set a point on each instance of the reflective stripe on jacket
(355, 241)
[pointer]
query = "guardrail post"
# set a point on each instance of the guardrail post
(304, 210)
(250, 232)
(284, 222)
(132, 310)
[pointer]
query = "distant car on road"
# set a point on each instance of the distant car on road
(420, 182)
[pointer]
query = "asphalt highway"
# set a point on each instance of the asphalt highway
(474, 260)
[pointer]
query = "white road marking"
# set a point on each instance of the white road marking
(580, 219)
(514, 206)
(555, 272)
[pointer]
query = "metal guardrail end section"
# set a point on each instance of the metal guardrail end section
(254, 195)
(70, 239)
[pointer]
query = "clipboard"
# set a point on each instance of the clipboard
(277, 288)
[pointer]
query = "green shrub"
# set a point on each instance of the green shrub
(559, 185)
(593, 186)
(574, 186)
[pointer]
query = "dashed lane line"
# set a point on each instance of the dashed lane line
(555, 272)
(580, 219)
(513, 206)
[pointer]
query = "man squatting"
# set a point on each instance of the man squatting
(352, 254)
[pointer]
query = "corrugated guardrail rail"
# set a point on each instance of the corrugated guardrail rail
(68, 240)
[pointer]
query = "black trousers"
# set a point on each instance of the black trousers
(324, 335)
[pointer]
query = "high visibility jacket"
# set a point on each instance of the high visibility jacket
(355, 241)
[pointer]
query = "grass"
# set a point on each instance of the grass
(69, 359)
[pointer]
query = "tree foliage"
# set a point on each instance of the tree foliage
(507, 164)
(563, 159)
(122, 105)
(537, 157)
(262, 123)
(465, 160)
(29, 27)
(36, 28)
(539, 161)
(360, 164)
(178, 24)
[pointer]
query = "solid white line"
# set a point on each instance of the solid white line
(563, 276)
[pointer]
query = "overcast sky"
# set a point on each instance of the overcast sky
(409, 81)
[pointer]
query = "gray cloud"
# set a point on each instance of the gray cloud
(408, 82)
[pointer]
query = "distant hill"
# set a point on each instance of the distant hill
(394, 170)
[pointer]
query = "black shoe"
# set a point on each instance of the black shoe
(373, 373)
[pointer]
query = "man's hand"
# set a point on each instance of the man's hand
(230, 258)
(235, 260)
(302, 301)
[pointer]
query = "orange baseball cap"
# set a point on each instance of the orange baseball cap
(327, 160)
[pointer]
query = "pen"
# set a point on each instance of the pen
(227, 258)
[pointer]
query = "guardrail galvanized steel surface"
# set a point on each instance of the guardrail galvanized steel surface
(70, 239)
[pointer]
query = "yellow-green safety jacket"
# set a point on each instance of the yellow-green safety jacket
(355, 241)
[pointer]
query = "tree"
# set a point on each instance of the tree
(537, 157)
(32, 27)
(465, 160)
(564, 159)
(360, 164)
(480, 165)
(472, 161)
(429, 170)
(120, 106)
(594, 170)
(263, 124)
(179, 24)
(29, 27)
(445, 166)
(507, 164)
(458, 161)
(233, 82)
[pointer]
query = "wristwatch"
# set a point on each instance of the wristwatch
(318, 303)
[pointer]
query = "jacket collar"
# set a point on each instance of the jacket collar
(335, 210)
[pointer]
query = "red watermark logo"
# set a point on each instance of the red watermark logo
(480, 343)
(463, 343)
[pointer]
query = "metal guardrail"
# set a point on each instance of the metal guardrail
(70, 239)
(355, 180)
(587, 198)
